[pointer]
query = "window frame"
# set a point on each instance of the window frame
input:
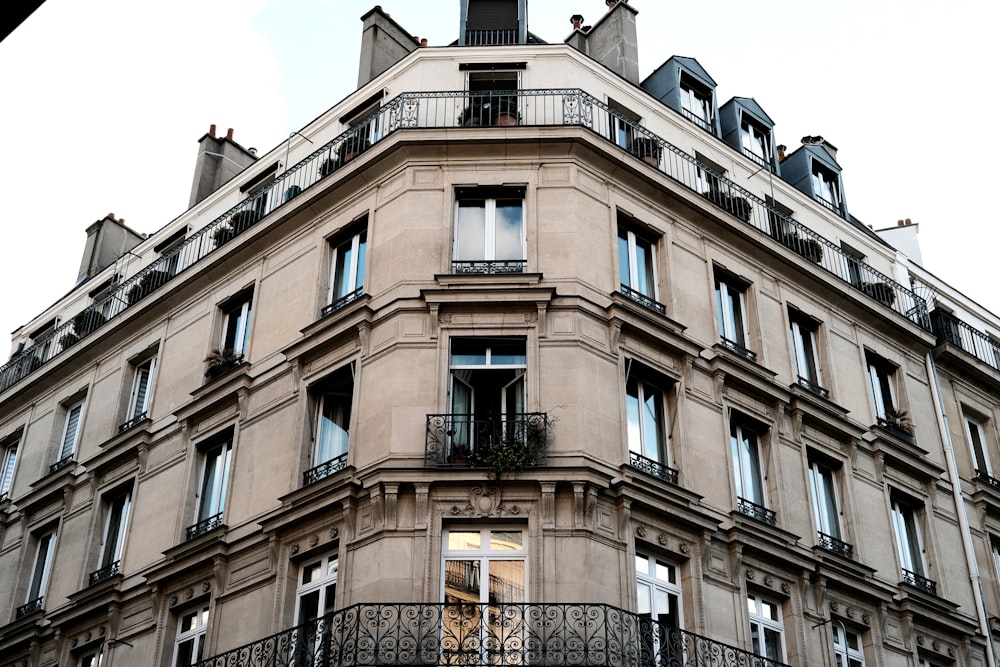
(750, 131)
(806, 356)
(978, 450)
(826, 185)
(760, 624)
(484, 556)
(881, 385)
(485, 259)
(329, 568)
(41, 567)
(637, 415)
(211, 499)
(690, 91)
(116, 518)
(236, 314)
(629, 242)
(8, 461)
(823, 486)
(842, 650)
(141, 382)
(322, 465)
(730, 297)
(68, 443)
(747, 462)
(357, 263)
(908, 534)
(197, 634)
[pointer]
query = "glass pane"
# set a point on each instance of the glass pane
(461, 581)
(188, 621)
(645, 598)
(666, 572)
(508, 353)
(769, 610)
(506, 581)
(470, 230)
(466, 352)
(185, 653)
(652, 424)
(624, 276)
(772, 644)
(311, 572)
(506, 540)
(644, 268)
(641, 564)
(459, 540)
(342, 283)
(509, 230)
(359, 275)
(632, 410)
(308, 607)
(333, 428)
(329, 596)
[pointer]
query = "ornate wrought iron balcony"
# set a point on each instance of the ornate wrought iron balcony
(29, 608)
(324, 470)
(512, 442)
(651, 467)
(987, 479)
(919, 581)
(643, 300)
(489, 266)
(343, 301)
(831, 543)
(950, 329)
(204, 526)
(811, 386)
(485, 635)
(755, 511)
(736, 348)
(454, 109)
(105, 572)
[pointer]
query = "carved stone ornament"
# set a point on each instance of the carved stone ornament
(74, 642)
(786, 588)
(485, 502)
(920, 640)
(834, 605)
(189, 593)
(750, 575)
(206, 586)
(850, 612)
(640, 531)
(663, 540)
(685, 548)
(768, 581)
(173, 600)
(951, 651)
(936, 645)
(313, 540)
(334, 533)
(294, 549)
(866, 619)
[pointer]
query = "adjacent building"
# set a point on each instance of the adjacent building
(512, 358)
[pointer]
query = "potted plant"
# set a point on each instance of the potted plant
(472, 116)
(221, 361)
(504, 110)
(897, 421)
(223, 234)
(291, 193)
(149, 281)
(647, 149)
(351, 147)
(68, 339)
(87, 321)
(516, 448)
(738, 206)
(880, 291)
(808, 247)
(460, 455)
(242, 220)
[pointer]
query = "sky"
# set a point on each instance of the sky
(102, 103)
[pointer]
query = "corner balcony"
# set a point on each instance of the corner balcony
(486, 635)
(508, 443)
(479, 111)
(949, 329)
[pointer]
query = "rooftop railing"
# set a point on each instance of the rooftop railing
(950, 329)
(453, 109)
(486, 635)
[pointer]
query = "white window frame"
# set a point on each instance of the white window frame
(748, 469)
(632, 244)
(846, 654)
(484, 555)
(358, 251)
(695, 105)
(329, 567)
(92, 658)
(344, 443)
(115, 525)
(71, 430)
(638, 420)
(730, 323)
(995, 552)
(142, 388)
(755, 140)
(212, 493)
(881, 381)
(760, 624)
(826, 185)
(823, 493)
(236, 314)
(41, 568)
(489, 252)
(975, 431)
(195, 634)
(905, 516)
(8, 459)
(652, 592)
(804, 347)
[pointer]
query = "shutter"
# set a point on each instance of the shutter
(72, 425)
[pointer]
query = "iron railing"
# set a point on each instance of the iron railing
(486, 635)
(488, 266)
(950, 329)
(988, 479)
(643, 300)
(831, 543)
(449, 109)
(29, 607)
(919, 581)
(105, 573)
(755, 511)
(343, 301)
(514, 441)
(324, 469)
(205, 526)
(736, 348)
(503, 37)
(811, 386)
(61, 463)
(651, 467)
(133, 422)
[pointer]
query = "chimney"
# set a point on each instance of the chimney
(611, 41)
(218, 161)
(577, 21)
(781, 151)
(820, 141)
(383, 44)
(107, 240)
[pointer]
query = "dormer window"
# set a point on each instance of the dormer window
(755, 141)
(826, 187)
(696, 103)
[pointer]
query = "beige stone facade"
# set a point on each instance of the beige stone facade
(705, 399)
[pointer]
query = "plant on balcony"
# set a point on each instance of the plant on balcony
(897, 420)
(504, 111)
(738, 206)
(808, 247)
(223, 234)
(149, 281)
(291, 193)
(242, 220)
(87, 321)
(472, 115)
(460, 455)
(221, 361)
(880, 291)
(515, 450)
(68, 339)
(351, 147)
(646, 148)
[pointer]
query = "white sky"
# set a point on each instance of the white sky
(102, 102)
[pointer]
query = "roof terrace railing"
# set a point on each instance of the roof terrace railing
(950, 329)
(452, 109)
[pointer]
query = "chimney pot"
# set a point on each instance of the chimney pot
(781, 151)
(423, 41)
(229, 134)
(252, 151)
(577, 21)
(908, 222)
(211, 130)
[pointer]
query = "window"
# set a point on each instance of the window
(8, 459)
(847, 646)
(488, 105)
(92, 658)
(236, 326)
(909, 545)
(484, 566)
(826, 515)
(142, 392)
(116, 508)
(645, 407)
(755, 141)
(766, 629)
(41, 568)
(333, 423)
(487, 392)
(317, 588)
(995, 551)
(975, 435)
(696, 103)
(731, 314)
(659, 600)
(881, 384)
(347, 271)
(745, 450)
(622, 124)
(707, 178)
(489, 231)
(71, 432)
(826, 187)
(190, 643)
(214, 483)
(805, 352)
(636, 265)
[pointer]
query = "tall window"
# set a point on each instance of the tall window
(756, 141)
(975, 435)
(826, 515)
(41, 568)
(332, 435)
(766, 629)
(142, 390)
(647, 424)
(995, 551)
(8, 459)
(746, 457)
(484, 565)
(190, 643)
(909, 545)
(487, 391)
(805, 351)
(489, 231)
(347, 270)
(731, 313)
(847, 646)
(317, 588)
(117, 508)
(696, 103)
(92, 658)
(71, 431)
(214, 483)
(659, 599)
(622, 124)
(236, 326)
(881, 384)
(636, 264)
(826, 186)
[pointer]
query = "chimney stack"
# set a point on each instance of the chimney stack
(781, 151)
(218, 160)
(577, 21)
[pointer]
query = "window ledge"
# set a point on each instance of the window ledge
(499, 279)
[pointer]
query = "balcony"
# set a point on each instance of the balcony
(491, 37)
(504, 444)
(324, 470)
(64, 462)
(569, 107)
(651, 467)
(485, 635)
(643, 300)
(950, 329)
(812, 387)
(133, 422)
(831, 543)
(204, 526)
(489, 267)
(29, 608)
(105, 573)
(738, 349)
(343, 301)
(755, 511)
(911, 578)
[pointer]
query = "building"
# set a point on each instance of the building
(537, 363)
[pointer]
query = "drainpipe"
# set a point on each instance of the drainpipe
(963, 517)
